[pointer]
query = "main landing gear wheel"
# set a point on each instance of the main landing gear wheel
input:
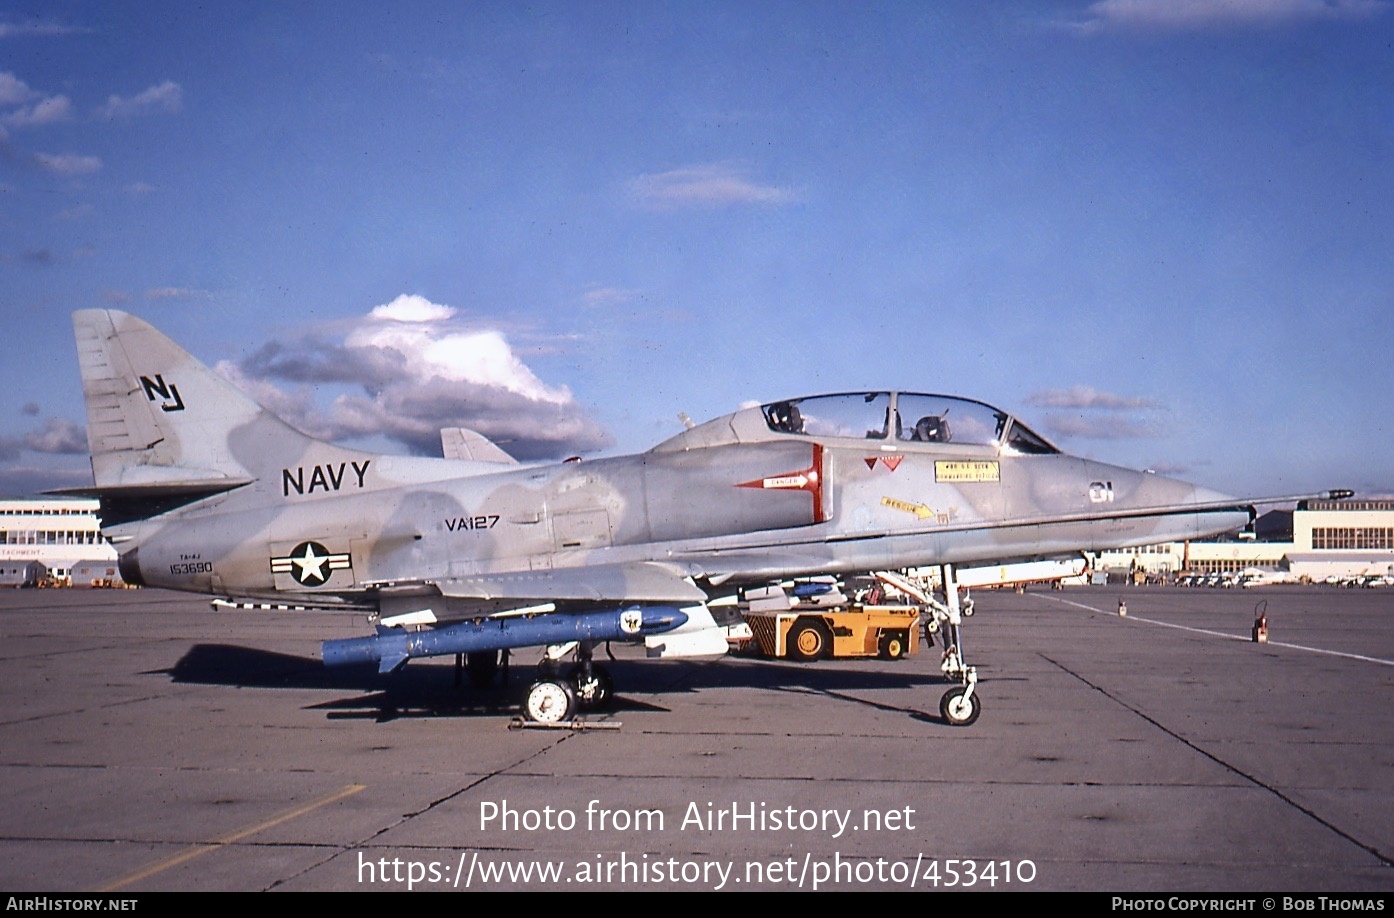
(593, 690)
(960, 708)
(550, 701)
(808, 640)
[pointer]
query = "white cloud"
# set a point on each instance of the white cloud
(58, 435)
(14, 91)
(36, 29)
(1207, 14)
(167, 97)
(177, 293)
(411, 308)
(433, 352)
(1082, 411)
(80, 212)
(610, 296)
(47, 111)
(1100, 427)
(26, 106)
(412, 367)
(711, 185)
(1087, 397)
(67, 163)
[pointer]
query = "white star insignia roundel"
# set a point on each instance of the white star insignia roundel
(310, 563)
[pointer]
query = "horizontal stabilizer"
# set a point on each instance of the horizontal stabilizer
(152, 495)
(172, 482)
(639, 582)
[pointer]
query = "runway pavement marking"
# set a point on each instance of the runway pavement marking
(1231, 637)
(194, 851)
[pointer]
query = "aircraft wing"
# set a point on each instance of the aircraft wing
(634, 582)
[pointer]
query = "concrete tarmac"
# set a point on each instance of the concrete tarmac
(148, 742)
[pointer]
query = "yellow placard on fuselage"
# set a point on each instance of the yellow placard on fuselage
(956, 472)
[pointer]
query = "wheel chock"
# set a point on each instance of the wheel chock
(575, 725)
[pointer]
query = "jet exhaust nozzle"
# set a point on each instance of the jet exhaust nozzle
(391, 648)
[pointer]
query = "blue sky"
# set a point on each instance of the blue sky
(1162, 232)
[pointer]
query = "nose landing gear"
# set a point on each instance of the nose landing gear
(960, 705)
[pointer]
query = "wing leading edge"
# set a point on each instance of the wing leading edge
(638, 582)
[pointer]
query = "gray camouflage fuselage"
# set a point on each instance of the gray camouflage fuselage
(851, 483)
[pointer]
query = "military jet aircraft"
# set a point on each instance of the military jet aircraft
(204, 490)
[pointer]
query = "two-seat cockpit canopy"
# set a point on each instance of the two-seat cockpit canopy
(892, 417)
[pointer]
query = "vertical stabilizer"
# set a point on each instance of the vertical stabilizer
(156, 417)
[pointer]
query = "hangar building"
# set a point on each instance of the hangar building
(1329, 538)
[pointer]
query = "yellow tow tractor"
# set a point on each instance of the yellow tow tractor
(814, 620)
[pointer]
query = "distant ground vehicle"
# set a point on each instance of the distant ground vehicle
(814, 619)
(888, 632)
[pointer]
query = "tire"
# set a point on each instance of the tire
(549, 701)
(597, 691)
(808, 640)
(956, 711)
(894, 645)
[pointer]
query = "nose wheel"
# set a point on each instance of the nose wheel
(960, 706)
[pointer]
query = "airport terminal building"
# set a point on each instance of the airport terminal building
(54, 542)
(1327, 539)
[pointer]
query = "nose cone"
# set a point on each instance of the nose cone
(1154, 508)
(1229, 514)
(1196, 512)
